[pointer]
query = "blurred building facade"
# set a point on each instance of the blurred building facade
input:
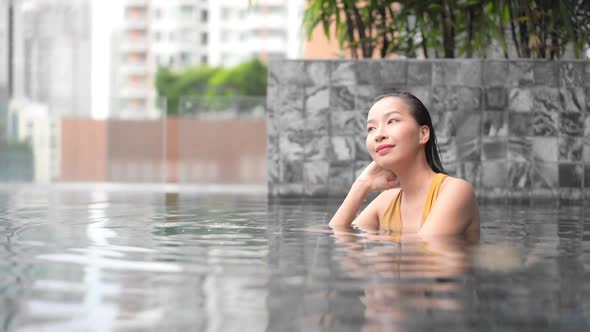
(32, 123)
(171, 33)
(52, 54)
(269, 29)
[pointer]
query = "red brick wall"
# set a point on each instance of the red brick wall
(197, 151)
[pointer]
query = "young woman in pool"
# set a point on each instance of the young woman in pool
(417, 196)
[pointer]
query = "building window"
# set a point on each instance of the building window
(186, 10)
(204, 60)
(157, 35)
(225, 13)
(204, 16)
(185, 57)
(203, 38)
(158, 13)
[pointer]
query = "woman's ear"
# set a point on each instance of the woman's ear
(424, 134)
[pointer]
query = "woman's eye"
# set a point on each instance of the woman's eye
(369, 129)
(391, 121)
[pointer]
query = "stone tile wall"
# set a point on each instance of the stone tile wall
(517, 130)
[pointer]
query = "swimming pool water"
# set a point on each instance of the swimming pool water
(100, 260)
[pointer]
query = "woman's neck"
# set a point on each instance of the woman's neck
(416, 178)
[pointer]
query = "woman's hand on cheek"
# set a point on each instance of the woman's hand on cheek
(377, 178)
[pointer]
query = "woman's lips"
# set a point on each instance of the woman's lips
(383, 149)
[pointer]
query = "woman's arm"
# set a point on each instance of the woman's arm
(372, 178)
(347, 211)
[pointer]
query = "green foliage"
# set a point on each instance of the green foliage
(452, 28)
(246, 79)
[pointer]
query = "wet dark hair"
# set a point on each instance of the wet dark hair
(422, 117)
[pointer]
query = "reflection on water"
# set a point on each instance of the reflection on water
(96, 260)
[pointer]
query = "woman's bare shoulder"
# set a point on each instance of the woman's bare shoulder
(454, 184)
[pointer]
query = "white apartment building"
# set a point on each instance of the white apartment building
(52, 54)
(268, 29)
(171, 33)
(32, 122)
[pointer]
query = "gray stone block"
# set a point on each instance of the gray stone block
(419, 73)
(545, 123)
(586, 155)
(368, 72)
(317, 73)
(316, 172)
(494, 123)
(470, 171)
(290, 189)
(272, 147)
(494, 148)
(456, 99)
(444, 123)
(274, 73)
(495, 73)
(572, 99)
(288, 73)
(342, 148)
(494, 174)
(520, 100)
(290, 99)
(545, 148)
(520, 124)
(348, 123)
(571, 74)
(547, 100)
(496, 98)
(272, 124)
(546, 73)
(364, 96)
(341, 178)
(520, 148)
(520, 176)
(273, 97)
(291, 122)
(570, 149)
(317, 148)
(341, 98)
(316, 99)
(447, 149)
(469, 149)
(273, 170)
(468, 125)
(587, 74)
(359, 167)
(465, 72)
(571, 124)
(393, 73)
(291, 147)
(317, 123)
(570, 175)
(520, 73)
(360, 148)
(343, 73)
(315, 190)
(291, 171)
(424, 93)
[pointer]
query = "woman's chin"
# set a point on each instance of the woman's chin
(384, 163)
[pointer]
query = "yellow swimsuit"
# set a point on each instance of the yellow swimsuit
(391, 220)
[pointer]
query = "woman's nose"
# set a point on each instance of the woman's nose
(379, 136)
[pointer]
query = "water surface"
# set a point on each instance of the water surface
(103, 260)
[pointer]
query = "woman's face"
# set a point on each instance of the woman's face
(393, 134)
